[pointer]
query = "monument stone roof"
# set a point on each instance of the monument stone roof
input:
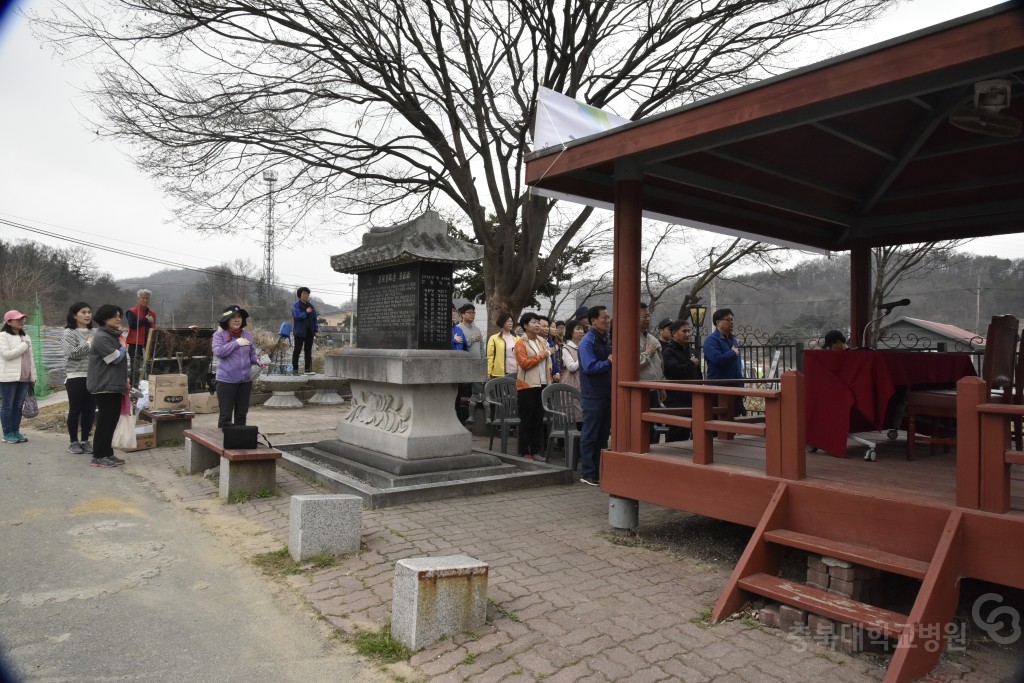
(421, 239)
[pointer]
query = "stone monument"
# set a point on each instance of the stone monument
(403, 374)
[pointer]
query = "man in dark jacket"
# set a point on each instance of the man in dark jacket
(305, 327)
(722, 354)
(681, 362)
(596, 392)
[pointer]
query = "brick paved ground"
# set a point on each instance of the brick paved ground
(568, 604)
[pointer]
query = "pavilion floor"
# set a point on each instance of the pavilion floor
(926, 478)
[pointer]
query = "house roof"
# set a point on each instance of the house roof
(856, 151)
(946, 330)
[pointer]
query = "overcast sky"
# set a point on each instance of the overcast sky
(55, 174)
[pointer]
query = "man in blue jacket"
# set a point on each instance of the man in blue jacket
(596, 390)
(722, 352)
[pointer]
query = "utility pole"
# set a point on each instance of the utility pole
(977, 307)
(270, 177)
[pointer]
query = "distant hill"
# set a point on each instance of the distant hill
(185, 297)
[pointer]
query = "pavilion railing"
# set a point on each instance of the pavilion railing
(984, 456)
(782, 425)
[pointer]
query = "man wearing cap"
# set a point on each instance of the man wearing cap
(665, 332)
(17, 374)
(236, 354)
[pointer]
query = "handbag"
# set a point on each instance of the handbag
(240, 436)
(124, 433)
(30, 406)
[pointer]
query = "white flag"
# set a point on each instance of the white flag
(561, 119)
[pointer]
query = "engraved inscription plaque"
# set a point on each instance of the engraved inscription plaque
(405, 307)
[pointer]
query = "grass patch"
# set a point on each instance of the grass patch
(280, 563)
(245, 496)
(469, 658)
(169, 443)
(703, 619)
(503, 611)
(381, 646)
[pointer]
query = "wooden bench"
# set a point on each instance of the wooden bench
(242, 470)
(168, 427)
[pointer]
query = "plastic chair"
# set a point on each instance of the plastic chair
(563, 405)
(500, 392)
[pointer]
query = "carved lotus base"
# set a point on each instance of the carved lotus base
(403, 401)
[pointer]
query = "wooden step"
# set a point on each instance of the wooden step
(826, 604)
(857, 554)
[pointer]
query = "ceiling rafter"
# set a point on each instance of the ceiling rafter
(857, 142)
(915, 140)
(745, 192)
(785, 175)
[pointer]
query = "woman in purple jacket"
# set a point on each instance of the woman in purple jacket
(236, 355)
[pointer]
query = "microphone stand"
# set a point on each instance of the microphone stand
(864, 335)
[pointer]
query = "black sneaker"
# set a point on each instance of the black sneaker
(116, 459)
(590, 481)
(76, 448)
(86, 446)
(106, 463)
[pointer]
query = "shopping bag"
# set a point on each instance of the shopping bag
(30, 407)
(124, 432)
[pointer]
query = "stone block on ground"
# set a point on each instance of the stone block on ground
(247, 476)
(324, 524)
(435, 597)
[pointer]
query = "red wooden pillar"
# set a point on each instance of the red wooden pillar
(970, 393)
(626, 305)
(860, 293)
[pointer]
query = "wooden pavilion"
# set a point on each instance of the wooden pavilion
(845, 155)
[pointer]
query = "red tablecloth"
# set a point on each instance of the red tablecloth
(849, 391)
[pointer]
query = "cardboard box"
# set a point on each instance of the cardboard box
(145, 438)
(203, 403)
(168, 392)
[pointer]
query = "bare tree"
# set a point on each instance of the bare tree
(373, 109)
(674, 256)
(896, 264)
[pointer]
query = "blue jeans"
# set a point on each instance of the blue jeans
(12, 395)
(597, 427)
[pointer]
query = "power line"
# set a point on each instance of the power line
(144, 257)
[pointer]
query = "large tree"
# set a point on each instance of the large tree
(380, 108)
(893, 265)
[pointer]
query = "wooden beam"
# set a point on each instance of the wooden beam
(860, 293)
(626, 308)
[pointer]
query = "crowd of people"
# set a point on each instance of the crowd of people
(104, 351)
(578, 353)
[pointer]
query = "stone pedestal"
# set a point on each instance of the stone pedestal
(324, 524)
(326, 390)
(284, 388)
(403, 400)
(436, 597)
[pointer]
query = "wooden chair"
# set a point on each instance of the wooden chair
(939, 406)
(500, 392)
(1018, 397)
(563, 404)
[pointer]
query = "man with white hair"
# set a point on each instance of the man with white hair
(141, 319)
